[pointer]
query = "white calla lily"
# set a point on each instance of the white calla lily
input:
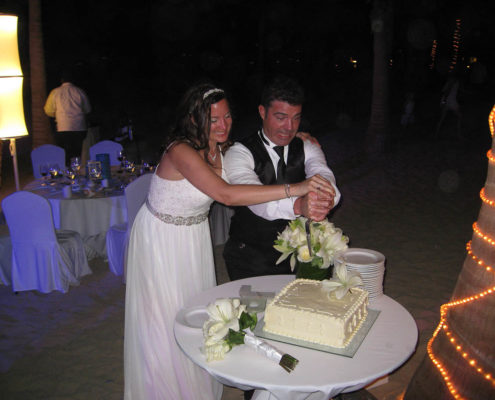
(215, 331)
(224, 315)
(344, 281)
(326, 242)
(216, 351)
(225, 309)
(223, 331)
(303, 254)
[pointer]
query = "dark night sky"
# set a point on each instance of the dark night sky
(138, 58)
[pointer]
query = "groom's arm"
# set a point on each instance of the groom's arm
(239, 167)
(316, 163)
(316, 205)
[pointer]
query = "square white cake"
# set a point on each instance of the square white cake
(303, 310)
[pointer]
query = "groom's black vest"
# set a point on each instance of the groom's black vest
(246, 226)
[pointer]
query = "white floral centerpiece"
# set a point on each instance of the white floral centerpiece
(327, 242)
(230, 325)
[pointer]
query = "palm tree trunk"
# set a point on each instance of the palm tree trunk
(381, 19)
(40, 124)
(461, 353)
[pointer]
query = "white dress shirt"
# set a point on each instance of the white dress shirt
(69, 105)
(239, 166)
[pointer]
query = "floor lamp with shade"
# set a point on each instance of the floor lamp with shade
(12, 122)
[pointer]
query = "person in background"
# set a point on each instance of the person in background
(170, 255)
(407, 118)
(69, 105)
(272, 155)
(449, 103)
(125, 131)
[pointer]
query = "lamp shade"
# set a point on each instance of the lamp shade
(12, 122)
(9, 60)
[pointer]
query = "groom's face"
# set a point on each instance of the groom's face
(280, 121)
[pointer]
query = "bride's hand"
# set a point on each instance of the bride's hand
(307, 136)
(316, 184)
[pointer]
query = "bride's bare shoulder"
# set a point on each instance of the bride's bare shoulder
(174, 156)
(179, 147)
(179, 157)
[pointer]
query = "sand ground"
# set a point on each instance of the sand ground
(415, 204)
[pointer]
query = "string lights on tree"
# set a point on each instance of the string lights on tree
(456, 43)
(471, 360)
(433, 53)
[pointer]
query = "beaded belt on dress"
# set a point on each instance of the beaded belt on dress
(177, 220)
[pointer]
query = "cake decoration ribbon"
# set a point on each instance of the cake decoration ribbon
(230, 325)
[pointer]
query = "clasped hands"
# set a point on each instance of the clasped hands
(317, 204)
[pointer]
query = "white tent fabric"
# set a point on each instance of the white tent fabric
(42, 259)
(47, 154)
(118, 235)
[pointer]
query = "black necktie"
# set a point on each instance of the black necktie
(281, 164)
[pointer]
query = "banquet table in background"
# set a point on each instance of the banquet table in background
(319, 375)
(90, 216)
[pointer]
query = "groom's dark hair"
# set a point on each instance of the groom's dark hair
(284, 89)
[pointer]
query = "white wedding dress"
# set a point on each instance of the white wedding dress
(170, 259)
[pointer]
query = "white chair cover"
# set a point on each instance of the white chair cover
(118, 235)
(42, 259)
(106, 146)
(5, 256)
(92, 137)
(116, 244)
(47, 153)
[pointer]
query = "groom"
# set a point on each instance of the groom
(273, 155)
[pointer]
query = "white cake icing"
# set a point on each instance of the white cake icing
(303, 310)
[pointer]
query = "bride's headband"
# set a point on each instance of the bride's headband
(211, 91)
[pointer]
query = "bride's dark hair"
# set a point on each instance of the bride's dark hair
(193, 118)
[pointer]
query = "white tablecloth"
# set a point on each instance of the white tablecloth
(90, 216)
(319, 375)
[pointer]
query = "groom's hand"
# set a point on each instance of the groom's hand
(313, 206)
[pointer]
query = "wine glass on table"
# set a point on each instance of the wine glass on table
(94, 170)
(129, 166)
(75, 164)
(71, 175)
(148, 166)
(44, 171)
(121, 156)
(54, 170)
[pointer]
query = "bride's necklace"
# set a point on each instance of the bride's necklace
(213, 156)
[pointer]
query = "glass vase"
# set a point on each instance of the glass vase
(308, 271)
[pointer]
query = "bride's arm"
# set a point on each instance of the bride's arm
(188, 163)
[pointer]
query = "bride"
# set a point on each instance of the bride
(170, 256)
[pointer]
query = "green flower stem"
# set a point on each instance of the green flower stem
(234, 338)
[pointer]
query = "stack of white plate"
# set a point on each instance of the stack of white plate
(371, 266)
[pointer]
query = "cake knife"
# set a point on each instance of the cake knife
(308, 236)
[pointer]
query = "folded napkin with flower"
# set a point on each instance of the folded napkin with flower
(230, 325)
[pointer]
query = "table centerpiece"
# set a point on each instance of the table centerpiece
(311, 252)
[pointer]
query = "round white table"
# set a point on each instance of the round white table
(319, 375)
(90, 216)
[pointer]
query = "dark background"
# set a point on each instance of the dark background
(136, 59)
